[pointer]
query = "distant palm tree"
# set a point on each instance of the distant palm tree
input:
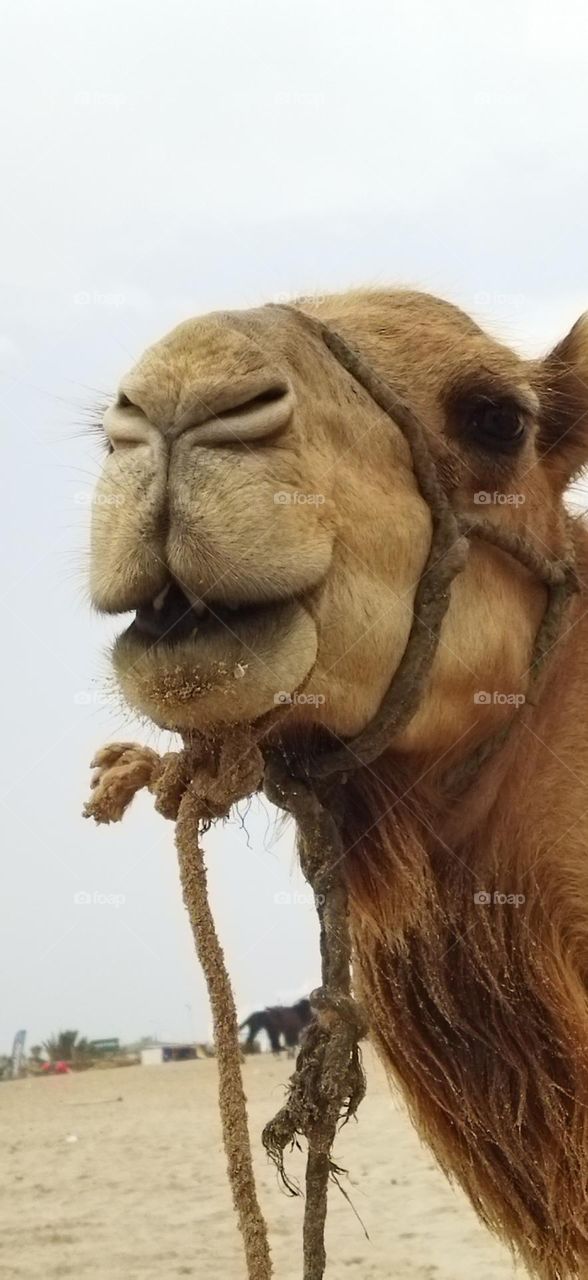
(65, 1047)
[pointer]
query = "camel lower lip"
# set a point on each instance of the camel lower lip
(223, 671)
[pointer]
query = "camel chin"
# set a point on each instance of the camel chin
(217, 674)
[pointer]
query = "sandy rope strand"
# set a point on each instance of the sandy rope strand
(231, 1095)
(328, 1083)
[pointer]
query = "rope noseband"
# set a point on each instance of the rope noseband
(451, 536)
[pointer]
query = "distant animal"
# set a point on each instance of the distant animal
(278, 1021)
(261, 1020)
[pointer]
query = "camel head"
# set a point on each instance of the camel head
(259, 515)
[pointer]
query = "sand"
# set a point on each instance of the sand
(141, 1192)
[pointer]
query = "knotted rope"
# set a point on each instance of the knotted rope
(193, 787)
(328, 1083)
(202, 782)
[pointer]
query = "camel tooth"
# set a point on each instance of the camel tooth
(159, 599)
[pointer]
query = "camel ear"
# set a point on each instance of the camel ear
(563, 433)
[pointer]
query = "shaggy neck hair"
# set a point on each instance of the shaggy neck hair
(478, 1010)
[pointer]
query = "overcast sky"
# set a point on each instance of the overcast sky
(163, 159)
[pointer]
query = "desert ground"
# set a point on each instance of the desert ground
(120, 1174)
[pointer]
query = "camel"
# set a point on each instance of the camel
(260, 515)
(260, 1020)
(278, 1021)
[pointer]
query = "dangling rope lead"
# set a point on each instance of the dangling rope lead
(233, 1107)
(328, 1083)
(193, 789)
(202, 782)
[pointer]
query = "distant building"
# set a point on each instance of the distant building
(153, 1054)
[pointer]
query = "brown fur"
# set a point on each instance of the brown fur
(480, 1010)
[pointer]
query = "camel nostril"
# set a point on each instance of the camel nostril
(241, 414)
(270, 396)
(125, 424)
(255, 408)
